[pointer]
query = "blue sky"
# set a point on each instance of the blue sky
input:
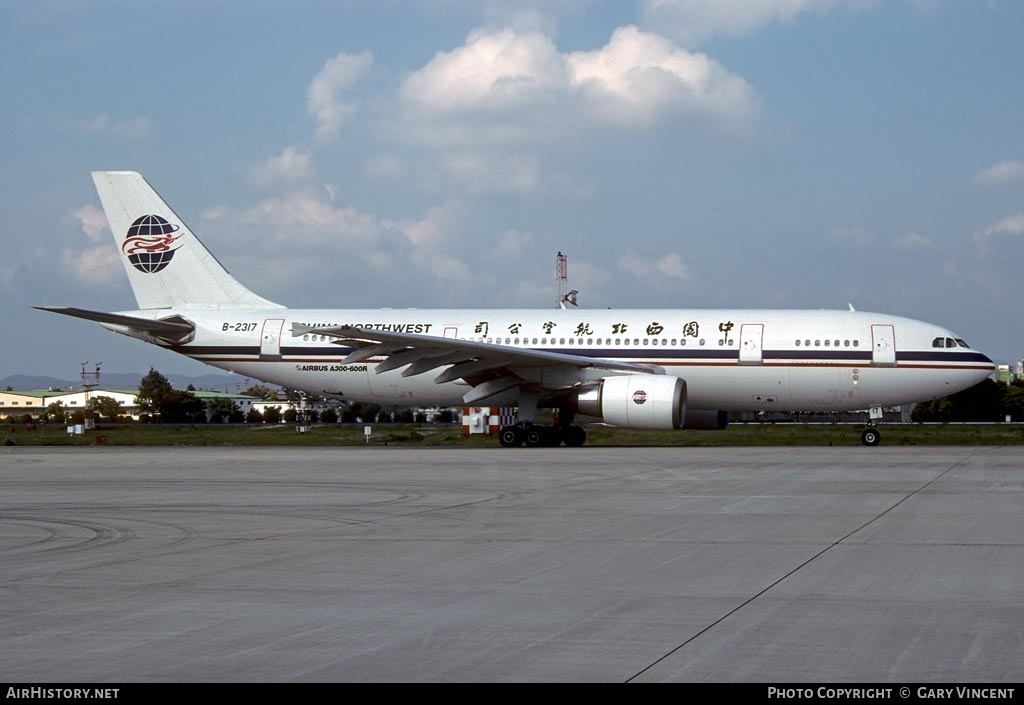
(683, 153)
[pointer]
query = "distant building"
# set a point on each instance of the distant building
(1003, 374)
(17, 404)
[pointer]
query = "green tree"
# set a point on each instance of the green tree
(328, 416)
(982, 402)
(154, 390)
(56, 412)
(254, 416)
(220, 409)
(157, 396)
(272, 414)
(107, 407)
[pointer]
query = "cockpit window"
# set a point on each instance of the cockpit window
(962, 343)
(939, 343)
(950, 343)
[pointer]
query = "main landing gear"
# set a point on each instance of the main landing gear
(539, 436)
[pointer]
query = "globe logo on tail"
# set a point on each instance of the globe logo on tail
(150, 243)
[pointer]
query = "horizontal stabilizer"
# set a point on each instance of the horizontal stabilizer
(159, 329)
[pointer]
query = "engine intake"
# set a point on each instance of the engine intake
(637, 401)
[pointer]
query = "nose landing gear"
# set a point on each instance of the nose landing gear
(870, 436)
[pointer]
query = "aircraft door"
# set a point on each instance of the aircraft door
(751, 340)
(883, 345)
(270, 342)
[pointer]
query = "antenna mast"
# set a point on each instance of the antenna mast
(561, 275)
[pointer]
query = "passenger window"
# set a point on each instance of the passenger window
(571, 341)
(673, 342)
(817, 343)
(702, 342)
(590, 341)
(654, 341)
(826, 343)
(846, 343)
(856, 343)
(618, 341)
(561, 341)
(807, 343)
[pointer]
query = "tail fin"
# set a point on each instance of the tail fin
(167, 265)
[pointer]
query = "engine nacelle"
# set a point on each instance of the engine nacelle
(637, 401)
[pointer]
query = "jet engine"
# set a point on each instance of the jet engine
(637, 401)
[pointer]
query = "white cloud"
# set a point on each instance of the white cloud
(290, 165)
(301, 218)
(503, 85)
(639, 78)
(913, 241)
(671, 265)
(98, 265)
(1001, 173)
(327, 103)
(138, 128)
(494, 71)
(309, 238)
(692, 21)
(1013, 225)
(92, 220)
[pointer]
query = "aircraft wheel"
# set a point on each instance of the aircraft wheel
(535, 437)
(574, 436)
(511, 436)
(870, 437)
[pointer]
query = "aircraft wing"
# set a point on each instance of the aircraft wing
(488, 368)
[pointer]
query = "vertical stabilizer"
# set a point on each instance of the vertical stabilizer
(167, 265)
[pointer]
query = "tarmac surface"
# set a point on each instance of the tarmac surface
(383, 564)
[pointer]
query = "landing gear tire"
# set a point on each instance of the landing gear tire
(535, 436)
(870, 437)
(511, 436)
(574, 436)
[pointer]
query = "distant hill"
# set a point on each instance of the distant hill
(130, 380)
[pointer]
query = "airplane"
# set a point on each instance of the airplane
(644, 369)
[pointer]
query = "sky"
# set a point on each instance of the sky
(682, 153)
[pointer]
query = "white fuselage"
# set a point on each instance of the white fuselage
(731, 360)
